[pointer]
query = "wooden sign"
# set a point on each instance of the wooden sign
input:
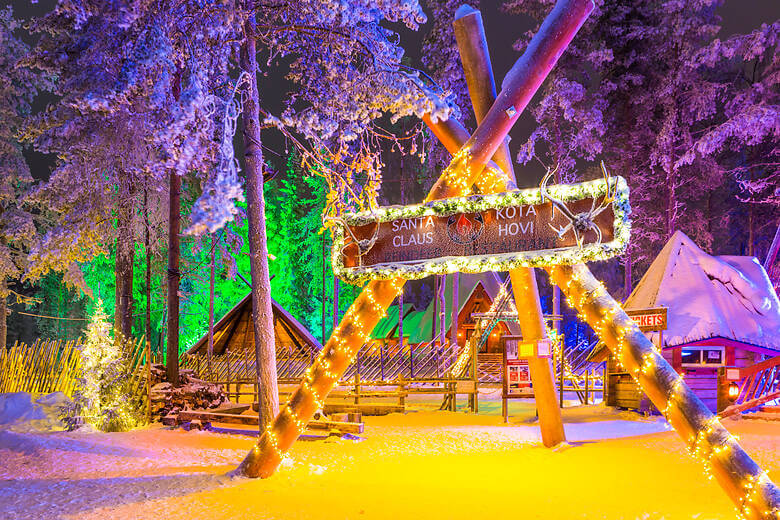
(482, 233)
(649, 319)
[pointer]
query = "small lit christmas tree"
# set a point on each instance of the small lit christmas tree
(102, 397)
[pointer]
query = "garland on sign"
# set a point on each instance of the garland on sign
(496, 262)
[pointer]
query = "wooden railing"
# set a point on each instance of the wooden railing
(759, 383)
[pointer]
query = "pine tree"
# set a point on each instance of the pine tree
(102, 398)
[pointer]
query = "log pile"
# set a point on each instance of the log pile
(192, 393)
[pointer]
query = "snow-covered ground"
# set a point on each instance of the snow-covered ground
(424, 464)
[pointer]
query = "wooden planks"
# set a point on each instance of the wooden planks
(252, 420)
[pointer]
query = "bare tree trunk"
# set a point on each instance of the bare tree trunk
(3, 312)
(324, 297)
(148, 324)
(125, 253)
(148, 278)
(211, 307)
(627, 281)
(174, 218)
(751, 230)
(265, 347)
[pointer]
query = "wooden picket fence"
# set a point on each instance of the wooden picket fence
(53, 365)
(43, 367)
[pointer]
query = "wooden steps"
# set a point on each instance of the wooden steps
(362, 408)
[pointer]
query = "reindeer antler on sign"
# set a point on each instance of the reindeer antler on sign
(580, 223)
(364, 246)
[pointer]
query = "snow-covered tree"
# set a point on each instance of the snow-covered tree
(102, 397)
(18, 87)
(632, 89)
(743, 134)
(151, 89)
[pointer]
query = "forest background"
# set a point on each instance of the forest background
(682, 100)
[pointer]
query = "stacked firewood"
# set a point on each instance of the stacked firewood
(191, 394)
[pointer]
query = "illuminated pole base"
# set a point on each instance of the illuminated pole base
(754, 494)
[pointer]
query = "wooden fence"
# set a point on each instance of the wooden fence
(388, 370)
(43, 367)
(53, 366)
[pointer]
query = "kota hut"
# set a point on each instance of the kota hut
(722, 313)
(386, 330)
(235, 333)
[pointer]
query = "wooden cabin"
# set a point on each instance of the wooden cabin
(476, 293)
(722, 313)
(235, 332)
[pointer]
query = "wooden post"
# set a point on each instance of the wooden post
(357, 388)
(586, 386)
(472, 43)
(174, 217)
(474, 54)
(210, 352)
(561, 379)
(148, 354)
(454, 332)
(504, 384)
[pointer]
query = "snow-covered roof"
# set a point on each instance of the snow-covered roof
(709, 296)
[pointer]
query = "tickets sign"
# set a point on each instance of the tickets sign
(647, 320)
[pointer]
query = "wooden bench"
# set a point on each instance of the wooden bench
(252, 420)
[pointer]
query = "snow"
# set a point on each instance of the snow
(709, 296)
(19, 412)
(423, 464)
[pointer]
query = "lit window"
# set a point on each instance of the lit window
(698, 356)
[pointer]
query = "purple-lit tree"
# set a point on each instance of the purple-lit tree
(743, 137)
(633, 90)
(152, 89)
(18, 88)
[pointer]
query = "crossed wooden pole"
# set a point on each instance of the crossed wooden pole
(754, 494)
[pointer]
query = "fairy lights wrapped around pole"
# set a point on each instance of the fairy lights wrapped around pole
(472, 43)
(754, 494)
(519, 86)
(369, 307)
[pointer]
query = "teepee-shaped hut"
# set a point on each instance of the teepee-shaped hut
(235, 332)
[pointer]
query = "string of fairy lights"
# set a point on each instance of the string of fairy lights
(475, 204)
(703, 445)
(352, 327)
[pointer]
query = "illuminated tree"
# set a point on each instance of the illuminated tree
(647, 89)
(102, 397)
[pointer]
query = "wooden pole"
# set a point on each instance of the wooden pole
(472, 43)
(324, 297)
(174, 217)
(519, 86)
(454, 331)
(755, 495)
(474, 54)
(210, 352)
(262, 313)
